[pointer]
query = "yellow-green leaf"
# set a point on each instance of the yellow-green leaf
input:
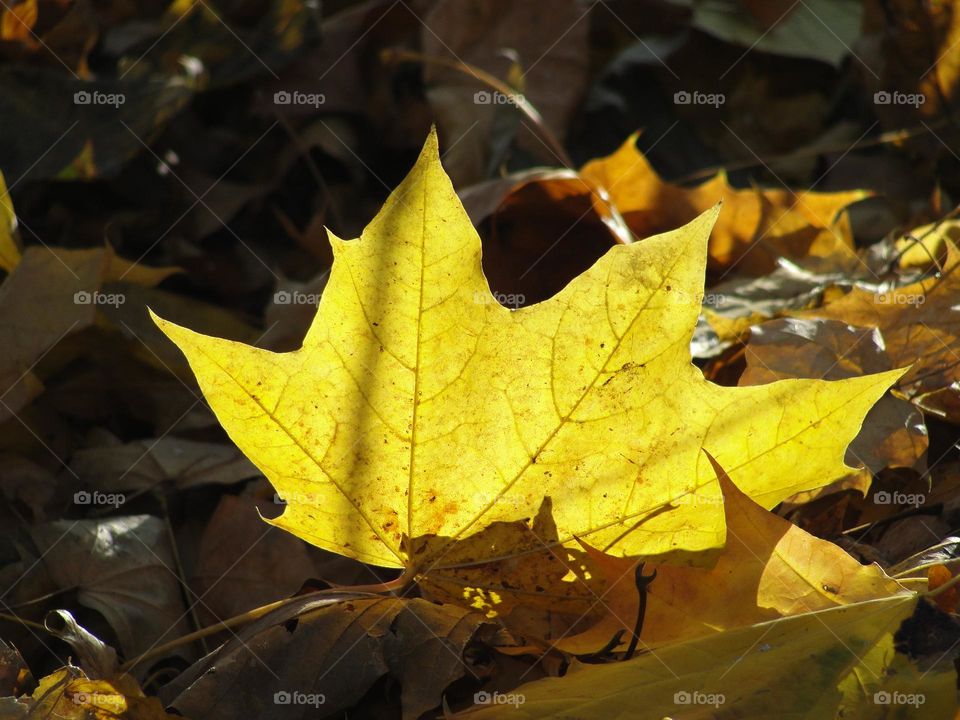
(794, 667)
(419, 411)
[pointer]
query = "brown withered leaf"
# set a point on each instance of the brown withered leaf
(122, 567)
(325, 652)
(920, 325)
(243, 564)
(50, 294)
(893, 433)
(142, 464)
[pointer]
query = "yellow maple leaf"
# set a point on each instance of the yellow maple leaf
(419, 411)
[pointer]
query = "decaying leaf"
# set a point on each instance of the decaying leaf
(893, 434)
(123, 568)
(329, 652)
(920, 325)
(420, 411)
(143, 464)
(50, 294)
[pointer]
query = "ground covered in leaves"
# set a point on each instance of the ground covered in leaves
(479, 358)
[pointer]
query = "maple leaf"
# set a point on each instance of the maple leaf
(920, 328)
(757, 227)
(769, 568)
(419, 411)
(788, 667)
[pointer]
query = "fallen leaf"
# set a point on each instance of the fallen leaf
(9, 249)
(757, 672)
(18, 21)
(243, 564)
(420, 411)
(324, 655)
(121, 567)
(940, 575)
(769, 568)
(893, 434)
(553, 61)
(69, 694)
(143, 464)
(757, 227)
(784, 28)
(920, 325)
(50, 294)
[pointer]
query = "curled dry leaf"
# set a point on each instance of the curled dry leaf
(755, 671)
